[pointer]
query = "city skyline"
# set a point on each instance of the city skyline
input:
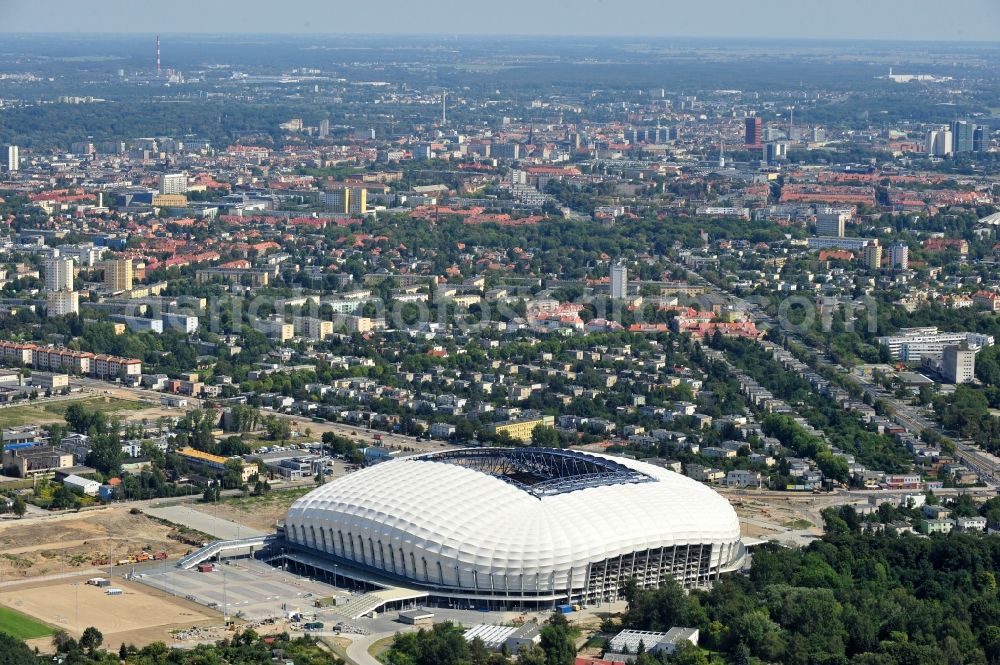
(891, 20)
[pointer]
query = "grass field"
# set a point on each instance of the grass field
(21, 626)
(272, 498)
(40, 412)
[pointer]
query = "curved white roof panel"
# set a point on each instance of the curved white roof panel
(524, 519)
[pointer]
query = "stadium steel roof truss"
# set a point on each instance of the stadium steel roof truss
(541, 472)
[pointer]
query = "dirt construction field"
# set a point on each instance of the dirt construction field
(139, 615)
(68, 543)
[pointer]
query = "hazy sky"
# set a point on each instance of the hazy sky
(953, 20)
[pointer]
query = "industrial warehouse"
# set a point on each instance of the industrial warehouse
(518, 527)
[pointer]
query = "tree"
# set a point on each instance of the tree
(20, 507)
(556, 642)
(990, 639)
(544, 436)
(64, 498)
(278, 429)
(15, 652)
(106, 454)
(478, 654)
(689, 654)
(84, 421)
(232, 477)
(91, 639)
(241, 418)
(122, 652)
(62, 641)
(150, 451)
(533, 656)
(741, 654)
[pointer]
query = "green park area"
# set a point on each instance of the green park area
(22, 626)
(38, 413)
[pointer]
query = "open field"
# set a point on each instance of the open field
(40, 413)
(21, 625)
(138, 616)
(257, 512)
(69, 542)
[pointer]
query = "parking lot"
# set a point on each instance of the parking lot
(249, 589)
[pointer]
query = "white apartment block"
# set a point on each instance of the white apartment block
(913, 344)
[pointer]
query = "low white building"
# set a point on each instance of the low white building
(441, 430)
(83, 485)
(743, 478)
(628, 642)
(183, 322)
(971, 523)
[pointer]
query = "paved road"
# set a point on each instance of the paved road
(981, 462)
(987, 467)
(357, 651)
(222, 529)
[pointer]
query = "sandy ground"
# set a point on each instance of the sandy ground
(765, 514)
(139, 616)
(43, 546)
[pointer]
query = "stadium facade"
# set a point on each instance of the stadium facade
(524, 527)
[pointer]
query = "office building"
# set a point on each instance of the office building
(60, 297)
(59, 274)
(185, 323)
(831, 223)
(872, 255)
(346, 200)
(939, 143)
(775, 151)
(961, 136)
(619, 281)
(173, 183)
(753, 132)
(169, 200)
(423, 151)
(913, 344)
(899, 256)
(930, 142)
(945, 144)
(958, 364)
(118, 274)
(324, 128)
(216, 462)
(62, 303)
(981, 138)
(83, 254)
(139, 323)
(510, 151)
(831, 242)
(13, 158)
(26, 462)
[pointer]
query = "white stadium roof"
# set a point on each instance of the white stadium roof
(522, 519)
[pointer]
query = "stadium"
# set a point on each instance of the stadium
(514, 527)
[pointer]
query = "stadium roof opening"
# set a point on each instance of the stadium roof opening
(542, 471)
